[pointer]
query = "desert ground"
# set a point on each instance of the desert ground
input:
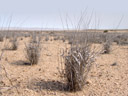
(107, 77)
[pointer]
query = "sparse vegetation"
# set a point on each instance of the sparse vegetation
(107, 44)
(11, 42)
(33, 49)
(77, 65)
(105, 31)
(46, 38)
(77, 60)
(107, 47)
(81, 72)
(14, 43)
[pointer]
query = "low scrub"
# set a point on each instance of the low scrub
(77, 65)
(14, 44)
(33, 50)
(107, 47)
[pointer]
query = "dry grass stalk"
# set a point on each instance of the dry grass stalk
(33, 50)
(6, 73)
(12, 85)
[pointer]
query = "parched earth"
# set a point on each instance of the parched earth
(108, 76)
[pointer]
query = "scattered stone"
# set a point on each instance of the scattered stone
(114, 64)
(39, 69)
(88, 82)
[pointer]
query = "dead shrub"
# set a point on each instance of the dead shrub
(14, 43)
(77, 65)
(107, 44)
(105, 31)
(107, 47)
(33, 50)
(80, 58)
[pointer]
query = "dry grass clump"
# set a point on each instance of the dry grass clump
(33, 49)
(11, 43)
(107, 44)
(77, 65)
(107, 47)
(46, 38)
(81, 57)
(14, 43)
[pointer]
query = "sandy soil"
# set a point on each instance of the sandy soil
(108, 77)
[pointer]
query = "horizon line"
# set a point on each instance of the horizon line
(41, 29)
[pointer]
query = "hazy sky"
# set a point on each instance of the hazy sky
(46, 13)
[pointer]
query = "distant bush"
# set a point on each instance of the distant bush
(105, 31)
(46, 38)
(107, 47)
(14, 43)
(107, 44)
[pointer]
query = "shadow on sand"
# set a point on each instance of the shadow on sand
(21, 63)
(50, 85)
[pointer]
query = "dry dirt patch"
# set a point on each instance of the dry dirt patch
(108, 77)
